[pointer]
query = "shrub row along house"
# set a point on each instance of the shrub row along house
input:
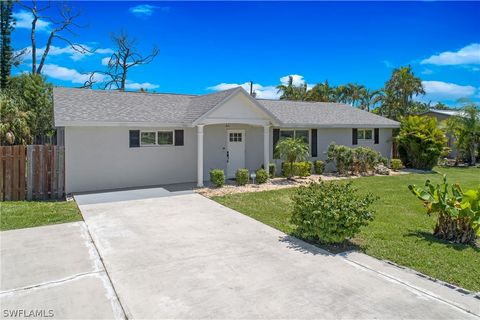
(128, 139)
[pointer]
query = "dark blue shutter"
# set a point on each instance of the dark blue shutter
(376, 135)
(179, 137)
(276, 137)
(134, 138)
(314, 143)
(354, 136)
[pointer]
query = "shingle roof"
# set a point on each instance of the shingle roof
(323, 114)
(98, 106)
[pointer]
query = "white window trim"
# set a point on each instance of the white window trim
(365, 140)
(156, 138)
(165, 145)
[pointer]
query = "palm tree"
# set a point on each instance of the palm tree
(466, 130)
(353, 93)
(292, 150)
(370, 98)
(321, 92)
(292, 92)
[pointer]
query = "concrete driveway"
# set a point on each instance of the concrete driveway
(185, 256)
(54, 272)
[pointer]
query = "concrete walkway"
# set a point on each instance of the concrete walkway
(185, 256)
(54, 272)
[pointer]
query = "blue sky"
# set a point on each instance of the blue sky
(208, 46)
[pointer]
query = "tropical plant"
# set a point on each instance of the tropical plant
(6, 53)
(261, 175)
(341, 156)
(14, 121)
(300, 168)
(465, 128)
(291, 92)
(458, 211)
(364, 160)
(36, 95)
(292, 150)
(370, 98)
(321, 92)
(399, 92)
(353, 93)
(330, 212)
(420, 142)
(217, 177)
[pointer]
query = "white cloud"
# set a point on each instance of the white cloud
(65, 74)
(143, 85)
(439, 90)
(427, 71)
(467, 55)
(24, 21)
(146, 10)
(105, 61)
(67, 50)
(263, 92)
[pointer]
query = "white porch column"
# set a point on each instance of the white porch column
(266, 147)
(200, 155)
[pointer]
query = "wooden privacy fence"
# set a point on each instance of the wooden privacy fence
(36, 172)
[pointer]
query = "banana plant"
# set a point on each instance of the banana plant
(458, 211)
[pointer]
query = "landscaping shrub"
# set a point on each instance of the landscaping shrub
(217, 177)
(319, 166)
(364, 160)
(330, 212)
(241, 177)
(396, 164)
(342, 156)
(291, 150)
(420, 142)
(261, 176)
(272, 168)
(384, 161)
(301, 169)
(458, 212)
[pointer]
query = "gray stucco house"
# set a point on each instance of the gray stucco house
(130, 139)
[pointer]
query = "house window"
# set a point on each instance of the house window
(147, 138)
(165, 137)
(152, 138)
(303, 134)
(365, 134)
(235, 137)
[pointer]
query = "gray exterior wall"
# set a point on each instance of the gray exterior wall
(99, 158)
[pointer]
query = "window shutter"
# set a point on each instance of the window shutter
(178, 137)
(134, 138)
(354, 136)
(376, 133)
(314, 143)
(276, 137)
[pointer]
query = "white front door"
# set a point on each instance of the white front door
(235, 151)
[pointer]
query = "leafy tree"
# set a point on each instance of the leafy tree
(6, 27)
(466, 130)
(36, 95)
(400, 90)
(353, 93)
(441, 106)
(369, 98)
(321, 92)
(292, 92)
(421, 142)
(292, 150)
(14, 128)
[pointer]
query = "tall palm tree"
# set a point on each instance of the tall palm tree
(292, 92)
(321, 92)
(354, 93)
(370, 98)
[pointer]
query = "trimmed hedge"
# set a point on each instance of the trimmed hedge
(241, 177)
(319, 166)
(301, 169)
(217, 177)
(261, 176)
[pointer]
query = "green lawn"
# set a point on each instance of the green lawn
(26, 214)
(400, 231)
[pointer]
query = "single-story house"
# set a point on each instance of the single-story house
(130, 139)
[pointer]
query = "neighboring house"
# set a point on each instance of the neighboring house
(128, 139)
(443, 115)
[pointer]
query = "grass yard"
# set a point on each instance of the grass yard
(401, 230)
(26, 214)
